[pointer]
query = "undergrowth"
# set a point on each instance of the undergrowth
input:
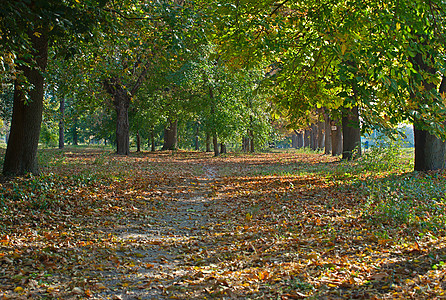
(411, 200)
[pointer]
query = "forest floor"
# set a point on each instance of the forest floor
(186, 225)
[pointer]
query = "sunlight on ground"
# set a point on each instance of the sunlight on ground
(162, 226)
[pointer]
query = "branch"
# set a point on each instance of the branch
(130, 18)
(435, 20)
(140, 79)
(311, 68)
(442, 88)
(277, 8)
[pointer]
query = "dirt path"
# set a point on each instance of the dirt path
(160, 247)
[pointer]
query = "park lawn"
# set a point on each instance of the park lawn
(186, 225)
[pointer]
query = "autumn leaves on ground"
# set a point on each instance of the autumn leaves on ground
(186, 225)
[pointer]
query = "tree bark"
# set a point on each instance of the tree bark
(223, 148)
(138, 142)
(320, 135)
(251, 141)
(245, 144)
(170, 135)
(300, 139)
(307, 138)
(121, 102)
(21, 152)
(327, 123)
(429, 149)
(74, 132)
(61, 123)
(313, 137)
(152, 139)
(351, 133)
(215, 142)
(197, 132)
(294, 141)
(251, 134)
(336, 138)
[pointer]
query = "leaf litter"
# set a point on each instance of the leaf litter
(190, 226)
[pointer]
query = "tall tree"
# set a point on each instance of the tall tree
(27, 28)
(26, 119)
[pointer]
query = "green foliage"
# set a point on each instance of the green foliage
(38, 192)
(412, 200)
(384, 155)
(49, 135)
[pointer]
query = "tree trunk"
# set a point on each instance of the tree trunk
(138, 142)
(251, 134)
(208, 142)
(320, 135)
(197, 132)
(351, 133)
(245, 144)
(21, 152)
(251, 141)
(223, 148)
(313, 136)
(170, 135)
(152, 139)
(336, 138)
(307, 138)
(294, 141)
(61, 123)
(74, 132)
(215, 142)
(327, 130)
(429, 149)
(122, 102)
(300, 139)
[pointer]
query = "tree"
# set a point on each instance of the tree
(381, 59)
(26, 119)
(28, 37)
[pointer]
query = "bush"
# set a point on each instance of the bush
(385, 155)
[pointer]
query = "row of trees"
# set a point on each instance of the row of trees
(229, 67)
(369, 62)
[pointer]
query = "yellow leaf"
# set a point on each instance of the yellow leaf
(263, 275)
(343, 48)
(18, 289)
(398, 26)
(38, 34)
